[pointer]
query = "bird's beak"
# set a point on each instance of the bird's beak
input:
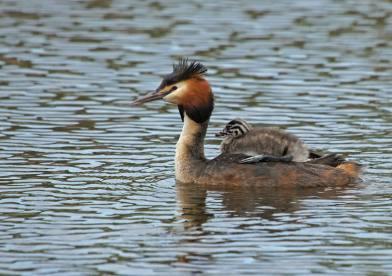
(220, 134)
(152, 96)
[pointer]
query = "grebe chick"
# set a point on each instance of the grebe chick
(269, 144)
(187, 88)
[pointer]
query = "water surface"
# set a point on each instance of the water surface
(87, 183)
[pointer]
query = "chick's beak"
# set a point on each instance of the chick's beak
(220, 134)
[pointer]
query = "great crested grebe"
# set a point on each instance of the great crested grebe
(265, 143)
(190, 91)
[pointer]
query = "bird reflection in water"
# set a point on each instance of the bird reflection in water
(260, 202)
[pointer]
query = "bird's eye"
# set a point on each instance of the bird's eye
(174, 88)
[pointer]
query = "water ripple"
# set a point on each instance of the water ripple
(86, 181)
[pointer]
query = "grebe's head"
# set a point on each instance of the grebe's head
(187, 88)
(235, 128)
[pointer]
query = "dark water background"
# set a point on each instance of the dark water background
(86, 181)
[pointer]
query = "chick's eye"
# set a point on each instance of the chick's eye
(174, 88)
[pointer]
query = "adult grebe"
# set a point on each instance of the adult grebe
(190, 91)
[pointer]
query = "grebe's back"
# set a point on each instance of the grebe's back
(224, 170)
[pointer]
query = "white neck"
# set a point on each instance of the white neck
(190, 158)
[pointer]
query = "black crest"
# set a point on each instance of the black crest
(183, 70)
